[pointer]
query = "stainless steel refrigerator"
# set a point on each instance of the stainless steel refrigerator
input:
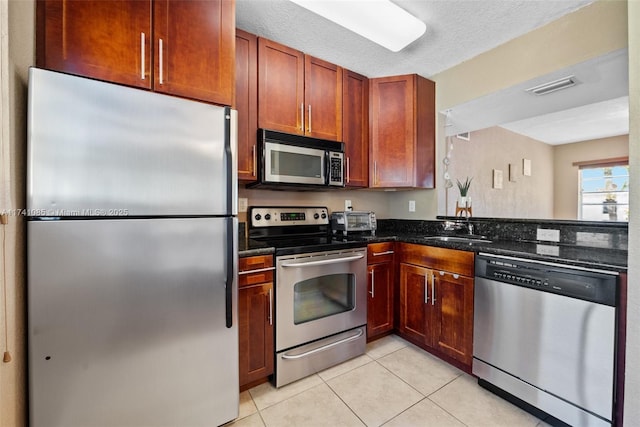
(132, 232)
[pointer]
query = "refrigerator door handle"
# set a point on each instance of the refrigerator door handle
(230, 144)
(228, 296)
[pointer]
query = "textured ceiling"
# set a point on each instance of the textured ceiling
(457, 30)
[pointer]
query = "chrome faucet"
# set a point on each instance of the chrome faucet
(458, 225)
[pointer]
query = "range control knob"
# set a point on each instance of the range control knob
(316, 216)
(267, 217)
(258, 217)
(324, 215)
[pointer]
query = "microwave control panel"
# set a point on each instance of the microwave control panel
(336, 168)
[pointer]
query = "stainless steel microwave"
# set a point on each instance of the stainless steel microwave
(286, 160)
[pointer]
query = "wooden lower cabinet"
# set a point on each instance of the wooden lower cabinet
(381, 279)
(436, 305)
(255, 319)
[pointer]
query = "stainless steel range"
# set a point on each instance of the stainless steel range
(321, 290)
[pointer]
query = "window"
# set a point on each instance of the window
(604, 190)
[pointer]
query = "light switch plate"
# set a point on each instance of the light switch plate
(412, 205)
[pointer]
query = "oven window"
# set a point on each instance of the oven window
(323, 296)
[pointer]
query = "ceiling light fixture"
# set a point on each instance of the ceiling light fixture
(549, 87)
(380, 21)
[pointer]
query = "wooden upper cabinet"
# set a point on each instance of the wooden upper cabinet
(323, 98)
(280, 87)
(297, 93)
(194, 45)
(355, 128)
(171, 46)
(106, 40)
(247, 103)
(402, 122)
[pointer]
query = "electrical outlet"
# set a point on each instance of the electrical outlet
(548, 234)
(243, 203)
(412, 205)
(347, 205)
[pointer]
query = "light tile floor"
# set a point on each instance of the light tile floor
(394, 384)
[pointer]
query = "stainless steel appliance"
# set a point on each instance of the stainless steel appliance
(321, 290)
(285, 160)
(545, 334)
(132, 259)
(345, 222)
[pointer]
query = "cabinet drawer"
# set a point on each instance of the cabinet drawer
(254, 270)
(380, 252)
(444, 259)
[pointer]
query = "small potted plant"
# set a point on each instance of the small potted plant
(465, 200)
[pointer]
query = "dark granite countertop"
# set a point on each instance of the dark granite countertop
(570, 252)
(607, 259)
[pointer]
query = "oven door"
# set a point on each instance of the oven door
(294, 165)
(318, 295)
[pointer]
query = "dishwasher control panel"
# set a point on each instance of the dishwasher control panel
(560, 279)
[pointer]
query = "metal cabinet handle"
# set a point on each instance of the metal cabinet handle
(160, 59)
(142, 56)
(348, 170)
(309, 118)
(375, 172)
(257, 270)
(426, 289)
(302, 117)
(382, 253)
(324, 347)
(323, 262)
(270, 307)
(373, 284)
(255, 160)
(433, 289)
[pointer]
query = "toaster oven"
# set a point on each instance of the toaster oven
(345, 222)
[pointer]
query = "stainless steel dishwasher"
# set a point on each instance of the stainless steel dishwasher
(545, 333)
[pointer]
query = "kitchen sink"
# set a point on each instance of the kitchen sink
(473, 239)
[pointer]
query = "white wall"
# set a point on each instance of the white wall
(17, 20)
(632, 391)
(497, 148)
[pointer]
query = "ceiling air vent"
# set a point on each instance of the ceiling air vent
(545, 88)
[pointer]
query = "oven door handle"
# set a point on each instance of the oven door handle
(323, 261)
(324, 347)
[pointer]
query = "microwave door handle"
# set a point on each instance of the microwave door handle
(327, 168)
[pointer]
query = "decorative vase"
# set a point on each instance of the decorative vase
(464, 201)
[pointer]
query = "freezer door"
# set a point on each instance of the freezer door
(127, 323)
(100, 149)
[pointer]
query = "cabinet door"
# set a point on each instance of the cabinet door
(453, 323)
(355, 128)
(392, 132)
(106, 40)
(280, 87)
(380, 299)
(323, 97)
(247, 103)
(255, 320)
(414, 291)
(194, 49)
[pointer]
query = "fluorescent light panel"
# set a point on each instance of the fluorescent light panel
(380, 21)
